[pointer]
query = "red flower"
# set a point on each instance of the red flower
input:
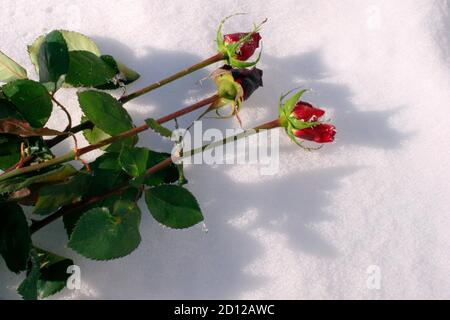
(248, 48)
(322, 133)
(307, 112)
(250, 80)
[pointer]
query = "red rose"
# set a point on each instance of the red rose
(304, 111)
(321, 133)
(302, 120)
(250, 80)
(246, 49)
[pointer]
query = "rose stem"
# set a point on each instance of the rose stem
(72, 155)
(216, 58)
(88, 124)
(36, 226)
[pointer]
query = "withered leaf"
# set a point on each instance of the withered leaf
(23, 129)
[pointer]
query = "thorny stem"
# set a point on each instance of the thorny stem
(72, 155)
(216, 58)
(37, 225)
(69, 117)
(51, 143)
(145, 127)
(81, 127)
(126, 98)
(65, 211)
(267, 126)
(69, 156)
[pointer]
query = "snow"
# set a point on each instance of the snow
(377, 199)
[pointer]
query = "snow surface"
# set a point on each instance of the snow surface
(377, 197)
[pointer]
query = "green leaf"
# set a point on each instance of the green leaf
(95, 135)
(10, 70)
(33, 52)
(31, 99)
(8, 110)
(173, 206)
(53, 273)
(156, 127)
(102, 235)
(133, 160)
(235, 63)
(289, 105)
(165, 176)
(56, 175)
(105, 112)
(28, 289)
(88, 70)
(79, 42)
(9, 151)
(9, 144)
(75, 42)
(53, 59)
(46, 276)
(124, 75)
(106, 174)
(113, 83)
(300, 125)
(219, 37)
(54, 196)
(14, 237)
(70, 221)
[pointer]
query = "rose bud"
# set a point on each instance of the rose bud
(306, 112)
(250, 80)
(322, 133)
(238, 47)
(237, 85)
(247, 48)
(233, 87)
(302, 120)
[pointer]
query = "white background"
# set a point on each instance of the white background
(378, 196)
